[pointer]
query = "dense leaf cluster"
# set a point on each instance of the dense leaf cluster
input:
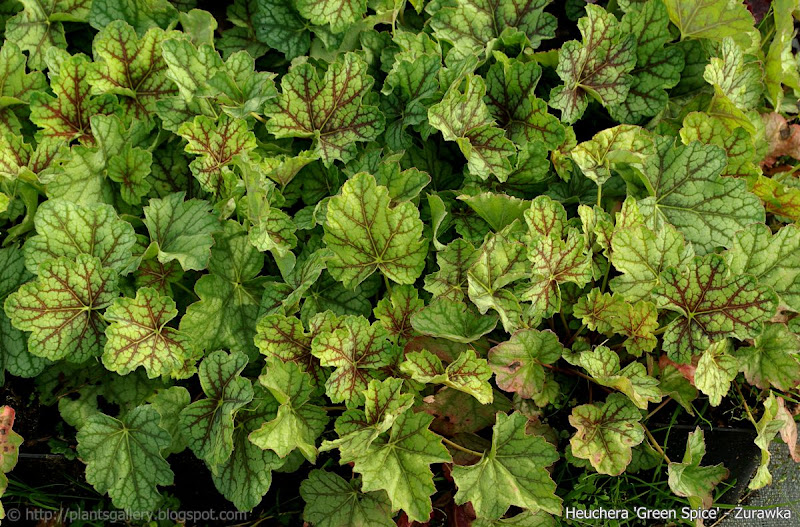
(400, 237)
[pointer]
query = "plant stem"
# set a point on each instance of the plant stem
(333, 408)
(746, 406)
(575, 335)
(187, 290)
(657, 408)
(258, 117)
(564, 322)
(461, 448)
(605, 278)
(655, 444)
(661, 330)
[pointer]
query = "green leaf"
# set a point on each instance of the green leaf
(130, 169)
(467, 373)
(472, 25)
(638, 322)
(366, 234)
(139, 336)
(400, 464)
(403, 185)
(740, 81)
(246, 476)
(62, 308)
(38, 27)
(329, 110)
(285, 338)
(556, 261)
(641, 255)
(207, 423)
(772, 258)
(546, 217)
(357, 429)
(141, 14)
(690, 480)
(181, 229)
(778, 68)
(169, 402)
(130, 67)
(242, 14)
(772, 421)
(338, 13)
(280, 26)
(598, 67)
(452, 320)
(498, 210)
(510, 95)
(606, 433)
(271, 228)
(14, 355)
(499, 263)
(152, 273)
(240, 89)
(190, 67)
(463, 117)
(226, 314)
(711, 305)
(357, 351)
(17, 84)
(66, 116)
(624, 145)
(772, 360)
(688, 192)
(603, 365)
(516, 463)
(329, 295)
(298, 423)
(737, 143)
(397, 311)
(410, 87)
(216, 142)
(333, 502)
(712, 19)
(67, 229)
(518, 362)
(657, 68)
(715, 371)
(123, 457)
(450, 281)
(599, 311)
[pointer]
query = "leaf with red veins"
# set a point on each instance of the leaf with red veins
(358, 352)
(62, 309)
(329, 110)
(395, 311)
(518, 362)
(217, 142)
(66, 116)
(131, 67)
(139, 335)
(284, 337)
(712, 305)
(556, 262)
(597, 67)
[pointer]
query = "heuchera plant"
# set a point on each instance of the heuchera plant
(413, 251)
